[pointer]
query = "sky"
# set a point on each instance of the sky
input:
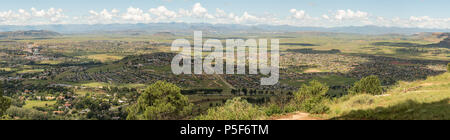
(315, 13)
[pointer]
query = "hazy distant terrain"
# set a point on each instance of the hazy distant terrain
(187, 28)
(29, 33)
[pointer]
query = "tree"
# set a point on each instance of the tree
(369, 85)
(4, 102)
(160, 101)
(311, 97)
(448, 67)
(234, 109)
(99, 108)
(315, 88)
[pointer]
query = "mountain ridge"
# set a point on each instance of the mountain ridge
(28, 33)
(188, 28)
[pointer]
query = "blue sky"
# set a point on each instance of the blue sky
(327, 13)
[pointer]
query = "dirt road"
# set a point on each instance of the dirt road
(297, 116)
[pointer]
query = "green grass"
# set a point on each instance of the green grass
(31, 104)
(51, 62)
(7, 69)
(84, 92)
(95, 85)
(103, 57)
(31, 71)
(419, 100)
(103, 85)
(335, 80)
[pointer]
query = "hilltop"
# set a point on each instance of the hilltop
(164, 34)
(29, 33)
(445, 42)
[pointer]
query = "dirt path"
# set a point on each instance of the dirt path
(296, 116)
(224, 81)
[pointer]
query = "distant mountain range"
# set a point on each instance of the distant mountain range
(29, 33)
(445, 42)
(187, 28)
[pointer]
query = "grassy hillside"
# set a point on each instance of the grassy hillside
(30, 33)
(419, 100)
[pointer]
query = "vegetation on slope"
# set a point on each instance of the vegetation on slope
(234, 109)
(4, 103)
(448, 67)
(160, 101)
(419, 100)
(369, 85)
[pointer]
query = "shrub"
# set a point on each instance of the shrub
(97, 107)
(234, 109)
(160, 101)
(315, 105)
(4, 102)
(273, 109)
(358, 100)
(27, 114)
(369, 85)
(310, 98)
(448, 67)
(5, 117)
(315, 88)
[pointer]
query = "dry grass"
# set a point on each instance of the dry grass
(420, 100)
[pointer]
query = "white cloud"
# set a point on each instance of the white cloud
(163, 13)
(38, 13)
(198, 13)
(198, 10)
(428, 22)
(106, 15)
(32, 17)
(221, 13)
(298, 14)
(184, 12)
(102, 17)
(136, 15)
(350, 14)
(246, 18)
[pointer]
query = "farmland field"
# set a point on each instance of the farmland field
(30, 104)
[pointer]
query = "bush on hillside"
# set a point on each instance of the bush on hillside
(370, 85)
(27, 114)
(273, 109)
(5, 103)
(234, 109)
(5, 117)
(315, 105)
(448, 67)
(310, 98)
(314, 88)
(358, 100)
(160, 101)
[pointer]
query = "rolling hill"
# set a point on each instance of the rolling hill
(29, 33)
(188, 28)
